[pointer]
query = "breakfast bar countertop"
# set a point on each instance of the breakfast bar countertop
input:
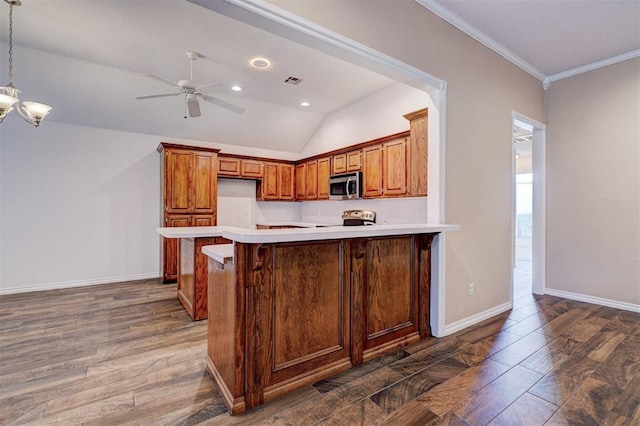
(253, 236)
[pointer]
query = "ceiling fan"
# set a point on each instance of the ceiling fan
(192, 91)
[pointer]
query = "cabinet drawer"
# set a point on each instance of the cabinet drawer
(251, 169)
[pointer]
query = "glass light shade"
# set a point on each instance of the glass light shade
(6, 103)
(34, 112)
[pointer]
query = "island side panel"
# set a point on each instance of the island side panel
(192, 276)
(225, 334)
(186, 277)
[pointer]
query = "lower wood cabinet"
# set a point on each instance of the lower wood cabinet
(291, 314)
(170, 253)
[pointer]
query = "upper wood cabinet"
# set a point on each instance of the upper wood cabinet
(346, 162)
(324, 171)
(395, 167)
(417, 148)
(189, 179)
(311, 192)
(239, 167)
(301, 181)
(372, 171)
(385, 169)
(277, 182)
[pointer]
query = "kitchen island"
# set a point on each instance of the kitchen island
(289, 307)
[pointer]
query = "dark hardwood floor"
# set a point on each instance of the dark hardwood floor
(127, 353)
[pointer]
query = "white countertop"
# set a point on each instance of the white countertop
(191, 231)
(297, 224)
(252, 236)
(219, 252)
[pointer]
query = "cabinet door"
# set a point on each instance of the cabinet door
(391, 290)
(170, 248)
(177, 170)
(286, 181)
(395, 167)
(301, 181)
(312, 180)
(269, 184)
(251, 169)
(372, 171)
(353, 161)
(204, 187)
(323, 178)
(339, 164)
(228, 166)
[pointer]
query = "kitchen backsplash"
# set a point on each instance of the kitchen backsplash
(237, 206)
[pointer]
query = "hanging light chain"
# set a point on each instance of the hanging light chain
(10, 44)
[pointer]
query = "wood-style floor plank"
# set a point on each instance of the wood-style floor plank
(128, 354)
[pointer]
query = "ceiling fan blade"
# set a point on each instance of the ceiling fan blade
(157, 96)
(193, 106)
(223, 104)
(213, 87)
(155, 77)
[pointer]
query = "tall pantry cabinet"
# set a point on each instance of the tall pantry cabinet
(189, 195)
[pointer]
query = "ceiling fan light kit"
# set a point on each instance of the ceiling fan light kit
(32, 112)
(192, 91)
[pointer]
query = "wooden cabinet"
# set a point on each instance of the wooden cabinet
(372, 171)
(239, 167)
(189, 194)
(324, 172)
(346, 162)
(277, 182)
(384, 169)
(301, 181)
(417, 153)
(311, 180)
(394, 167)
(286, 174)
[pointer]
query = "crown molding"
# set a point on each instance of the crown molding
(593, 66)
(455, 20)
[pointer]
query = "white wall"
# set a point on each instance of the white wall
(375, 116)
(593, 185)
(79, 205)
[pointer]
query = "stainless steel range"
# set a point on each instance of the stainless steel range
(358, 217)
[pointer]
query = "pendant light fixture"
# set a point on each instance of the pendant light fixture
(32, 112)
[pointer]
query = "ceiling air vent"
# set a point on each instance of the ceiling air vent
(293, 80)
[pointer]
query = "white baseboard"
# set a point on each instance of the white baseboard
(474, 319)
(80, 283)
(592, 299)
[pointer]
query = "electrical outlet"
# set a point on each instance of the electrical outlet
(472, 289)
(425, 217)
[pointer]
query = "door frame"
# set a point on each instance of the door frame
(539, 170)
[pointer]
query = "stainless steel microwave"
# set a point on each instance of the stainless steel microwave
(346, 186)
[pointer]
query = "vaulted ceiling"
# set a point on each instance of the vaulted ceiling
(85, 58)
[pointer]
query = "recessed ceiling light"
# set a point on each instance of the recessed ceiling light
(304, 104)
(260, 63)
(236, 88)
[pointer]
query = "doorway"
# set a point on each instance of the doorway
(528, 179)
